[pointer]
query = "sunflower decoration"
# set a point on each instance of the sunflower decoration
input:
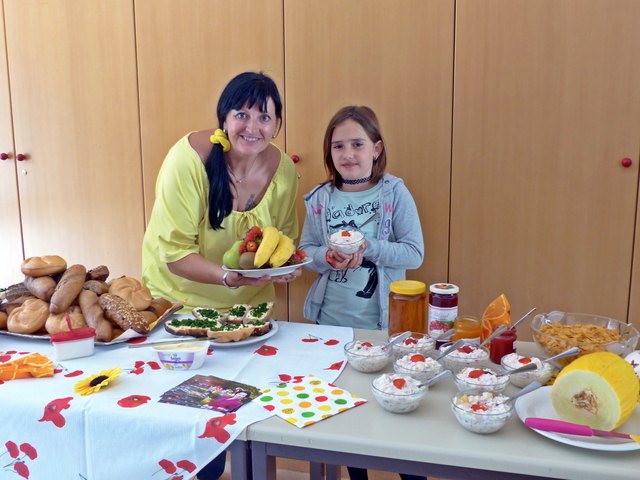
(93, 383)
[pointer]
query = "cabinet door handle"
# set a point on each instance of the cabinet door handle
(295, 158)
(4, 156)
(20, 157)
(626, 162)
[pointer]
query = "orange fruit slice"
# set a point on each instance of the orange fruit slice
(497, 313)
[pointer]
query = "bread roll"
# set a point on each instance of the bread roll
(150, 317)
(57, 322)
(100, 273)
(28, 317)
(132, 291)
(122, 313)
(17, 290)
(16, 302)
(41, 287)
(97, 286)
(45, 265)
(67, 289)
(94, 316)
(159, 306)
(3, 320)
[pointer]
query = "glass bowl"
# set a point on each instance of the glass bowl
(555, 332)
(480, 379)
(481, 411)
(398, 393)
(417, 343)
(366, 357)
(347, 240)
(469, 355)
(512, 361)
(419, 366)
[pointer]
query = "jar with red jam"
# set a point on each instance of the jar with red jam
(503, 344)
(443, 308)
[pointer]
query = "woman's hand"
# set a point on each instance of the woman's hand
(235, 279)
(289, 277)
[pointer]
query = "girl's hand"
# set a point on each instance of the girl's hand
(341, 261)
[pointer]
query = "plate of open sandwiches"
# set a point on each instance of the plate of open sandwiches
(242, 324)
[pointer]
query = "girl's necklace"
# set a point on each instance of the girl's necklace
(246, 173)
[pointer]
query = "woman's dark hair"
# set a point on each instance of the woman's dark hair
(367, 119)
(247, 88)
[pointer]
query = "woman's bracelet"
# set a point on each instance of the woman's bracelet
(224, 281)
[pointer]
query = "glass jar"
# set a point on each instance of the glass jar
(407, 307)
(503, 344)
(443, 308)
(467, 327)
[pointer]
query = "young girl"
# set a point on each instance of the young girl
(353, 290)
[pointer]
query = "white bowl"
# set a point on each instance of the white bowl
(366, 357)
(347, 240)
(182, 356)
(397, 400)
(513, 360)
(468, 408)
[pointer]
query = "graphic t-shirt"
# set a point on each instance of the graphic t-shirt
(350, 299)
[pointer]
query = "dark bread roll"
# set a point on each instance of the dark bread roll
(41, 287)
(159, 306)
(97, 286)
(123, 314)
(45, 265)
(68, 288)
(94, 315)
(3, 320)
(17, 290)
(100, 273)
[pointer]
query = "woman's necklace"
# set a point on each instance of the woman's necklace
(246, 173)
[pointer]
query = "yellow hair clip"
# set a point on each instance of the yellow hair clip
(220, 137)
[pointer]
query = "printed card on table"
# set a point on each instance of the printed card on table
(307, 400)
(210, 393)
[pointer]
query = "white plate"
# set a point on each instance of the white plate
(274, 272)
(538, 404)
(249, 340)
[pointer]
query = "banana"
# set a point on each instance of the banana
(270, 239)
(283, 251)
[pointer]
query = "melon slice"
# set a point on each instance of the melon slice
(599, 390)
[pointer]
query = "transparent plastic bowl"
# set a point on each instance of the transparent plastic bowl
(421, 371)
(555, 332)
(542, 373)
(364, 360)
(347, 244)
(480, 421)
(456, 361)
(417, 343)
(397, 401)
(463, 382)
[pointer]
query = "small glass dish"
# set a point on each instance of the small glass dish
(398, 393)
(182, 356)
(480, 379)
(421, 367)
(416, 343)
(481, 411)
(347, 240)
(512, 361)
(469, 355)
(366, 357)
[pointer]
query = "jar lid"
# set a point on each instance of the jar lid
(444, 288)
(408, 287)
(76, 334)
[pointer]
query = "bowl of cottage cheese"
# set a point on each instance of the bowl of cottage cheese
(416, 343)
(398, 393)
(512, 361)
(481, 411)
(468, 355)
(421, 367)
(367, 357)
(347, 240)
(480, 378)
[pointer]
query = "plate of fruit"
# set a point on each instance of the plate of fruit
(264, 252)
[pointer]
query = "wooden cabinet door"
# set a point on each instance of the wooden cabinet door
(187, 53)
(353, 53)
(11, 234)
(546, 104)
(72, 71)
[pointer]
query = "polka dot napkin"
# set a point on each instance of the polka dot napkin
(307, 400)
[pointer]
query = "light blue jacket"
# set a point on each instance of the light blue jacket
(397, 247)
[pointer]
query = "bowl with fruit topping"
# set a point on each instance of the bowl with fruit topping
(398, 393)
(416, 343)
(418, 366)
(347, 240)
(512, 361)
(481, 379)
(367, 357)
(481, 411)
(468, 355)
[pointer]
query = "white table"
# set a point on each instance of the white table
(428, 441)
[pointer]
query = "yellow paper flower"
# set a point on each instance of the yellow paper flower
(92, 384)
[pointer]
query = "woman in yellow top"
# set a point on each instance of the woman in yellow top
(213, 186)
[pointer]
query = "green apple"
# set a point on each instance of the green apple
(231, 258)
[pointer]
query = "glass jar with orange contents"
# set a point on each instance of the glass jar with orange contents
(467, 327)
(407, 307)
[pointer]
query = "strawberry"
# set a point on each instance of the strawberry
(477, 407)
(476, 373)
(253, 234)
(366, 344)
(345, 233)
(525, 360)
(410, 341)
(417, 358)
(466, 349)
(399, 383)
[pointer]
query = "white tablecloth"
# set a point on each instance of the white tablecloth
(92, 437)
